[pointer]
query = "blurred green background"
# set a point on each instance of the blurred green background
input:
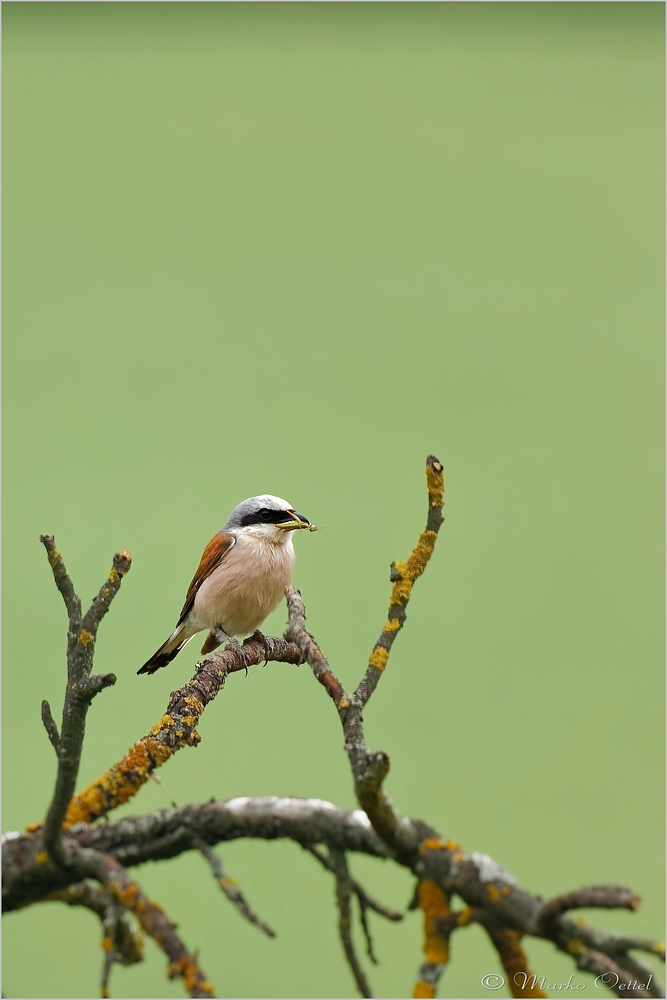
(293, 248)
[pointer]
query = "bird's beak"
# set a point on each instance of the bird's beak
(294, 522)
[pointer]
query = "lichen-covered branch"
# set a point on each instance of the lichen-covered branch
(403, 576)
(177, 727)
(82, 686)
(121, 943)
(56, 859)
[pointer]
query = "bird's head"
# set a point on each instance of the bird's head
(269, 517)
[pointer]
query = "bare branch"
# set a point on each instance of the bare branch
(50, 725)
(229, 886)
(63, 582)
(297, 633)
(344, 890)
(612, 974)
(607, 896)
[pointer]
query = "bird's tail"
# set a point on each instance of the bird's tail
(165, 654)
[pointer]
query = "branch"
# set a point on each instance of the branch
(311, 653)
(177, 727)
(50, 725)
(370, 769)
(491, 894)
(154, 922)
(507, 943)
(344, 890)
(61, 576)
(120, 943)
(81, 688)
(229, 886)
(608, 896)
(366, 902)
(403, 576)
(435, 906)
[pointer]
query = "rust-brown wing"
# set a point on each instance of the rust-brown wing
(214, 553)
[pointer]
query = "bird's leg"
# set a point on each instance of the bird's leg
(221, 636)
(265, 642)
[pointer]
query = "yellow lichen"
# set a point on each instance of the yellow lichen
(435, 482)
(41, 858)
(392, 625)
(53, 557)
(343, 703)
(493, 892)
(400, 594)
(113, 575)
(107, 943)
(85, 637)
(378, 658)
(227, 883)
(423, 989)
(575, 946)
(433, 903)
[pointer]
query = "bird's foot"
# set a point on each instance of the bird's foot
(260, 637)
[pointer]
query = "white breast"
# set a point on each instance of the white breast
(247, 586)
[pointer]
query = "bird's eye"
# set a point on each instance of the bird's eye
(264, 514)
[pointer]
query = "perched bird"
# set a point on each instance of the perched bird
(241, 578)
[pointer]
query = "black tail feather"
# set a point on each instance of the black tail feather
(163, 656)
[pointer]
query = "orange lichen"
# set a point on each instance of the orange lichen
(423, 989)
(575, 946)
(493, 892)
(434, 904)
(188, 969)
(107, 943)
(41, 858)
(122, 780)
(431, 844)
(392, 625)
(515, 962)
(84, 637)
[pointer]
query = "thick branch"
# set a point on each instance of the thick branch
(177, 727)
(80, 691)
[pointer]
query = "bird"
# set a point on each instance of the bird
(241, 577)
